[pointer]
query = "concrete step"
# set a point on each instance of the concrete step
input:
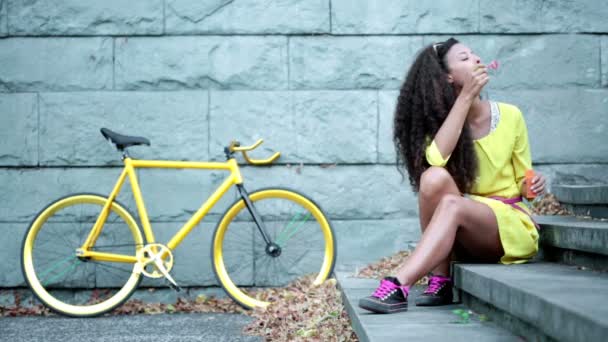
(418, 323)
(583, 199)
(541, 301)
(574, 241)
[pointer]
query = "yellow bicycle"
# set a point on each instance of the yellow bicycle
(92, 243)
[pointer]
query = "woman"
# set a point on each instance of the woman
(466, 158)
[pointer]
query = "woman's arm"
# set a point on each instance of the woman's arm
(448, 134)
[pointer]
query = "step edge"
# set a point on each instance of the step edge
(350, 310)
(580, 317)
(572, 193)
(566, 220)
(550, 232)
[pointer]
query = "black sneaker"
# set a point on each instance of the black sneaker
(389, 297)
(438, 292)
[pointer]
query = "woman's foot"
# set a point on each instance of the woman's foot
(389, 297)
(438, 292)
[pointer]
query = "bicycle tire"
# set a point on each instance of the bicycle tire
(232, 227)
(55, 293)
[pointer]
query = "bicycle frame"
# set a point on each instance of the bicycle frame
(129, 170)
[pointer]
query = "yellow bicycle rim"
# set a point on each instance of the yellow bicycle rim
(30, 272)
(219, 266)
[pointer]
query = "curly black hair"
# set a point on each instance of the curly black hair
(425, 99)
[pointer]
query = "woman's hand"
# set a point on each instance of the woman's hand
(475, 82)
(538, 184)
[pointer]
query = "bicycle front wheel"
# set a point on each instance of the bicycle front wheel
(67, 283)
(302, 242)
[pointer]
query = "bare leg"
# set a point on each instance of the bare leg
(435, 183)
(472, 223)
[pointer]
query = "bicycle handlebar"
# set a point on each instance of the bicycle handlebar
(235, 146)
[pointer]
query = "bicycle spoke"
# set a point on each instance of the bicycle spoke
(105, 265)
(81, 236)
(293, 231)
(59, 263)
(285, 269)
(52, 252)
(283, 266)
(267, 262)
(273, 267)
(83, 272)
(63, 238)
(67, 270)
(283, 232)
(44, 243)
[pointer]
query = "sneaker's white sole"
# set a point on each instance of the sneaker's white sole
(378, 308)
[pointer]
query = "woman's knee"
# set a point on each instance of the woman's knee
(435, 181)
(451, 205)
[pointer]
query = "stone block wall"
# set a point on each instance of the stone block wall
(317, 79)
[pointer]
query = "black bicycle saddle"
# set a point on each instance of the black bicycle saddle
(123, 141)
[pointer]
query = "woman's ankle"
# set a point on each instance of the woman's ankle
(403, 282)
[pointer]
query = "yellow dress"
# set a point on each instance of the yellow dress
(504, 157)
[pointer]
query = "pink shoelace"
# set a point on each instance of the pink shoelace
(386, 286)
(435, 284)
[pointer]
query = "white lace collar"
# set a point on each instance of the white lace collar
(495, 116)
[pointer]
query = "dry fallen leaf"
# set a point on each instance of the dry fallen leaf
(386, 266)
(548, 205)
(300, 312)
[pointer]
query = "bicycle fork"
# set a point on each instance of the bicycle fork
(272, 248)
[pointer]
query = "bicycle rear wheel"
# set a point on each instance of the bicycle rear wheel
(72, 285)
(302, 243)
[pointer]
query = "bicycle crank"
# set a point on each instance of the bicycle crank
(156, 261)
